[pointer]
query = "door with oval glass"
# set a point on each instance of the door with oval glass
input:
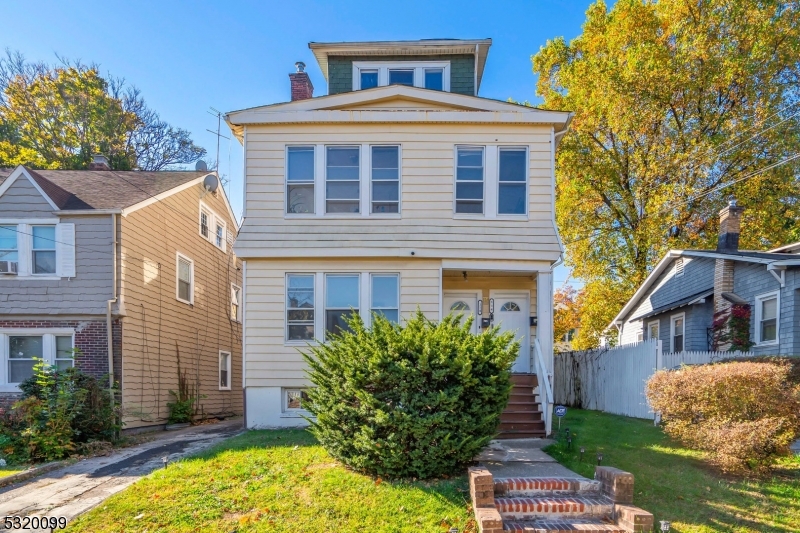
(511, 314)
(462, 302)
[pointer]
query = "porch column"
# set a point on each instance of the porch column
(544, 316)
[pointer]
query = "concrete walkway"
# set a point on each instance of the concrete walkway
(75, 489)
(522, 458)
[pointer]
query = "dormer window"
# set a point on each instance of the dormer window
(434, 75)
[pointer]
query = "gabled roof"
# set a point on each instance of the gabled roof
(477, 47)
(745, 256)
(792, 248)
(99, 190)
(435, 107)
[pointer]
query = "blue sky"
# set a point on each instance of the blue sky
(189, 56)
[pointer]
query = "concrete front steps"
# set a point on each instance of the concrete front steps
(556, 505)
(522, 417)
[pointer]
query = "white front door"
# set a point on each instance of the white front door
(511, 312)
(461, 302)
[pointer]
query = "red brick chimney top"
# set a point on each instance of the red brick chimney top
(302, 89)
(99, 162)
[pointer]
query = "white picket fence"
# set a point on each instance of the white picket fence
(613, 380)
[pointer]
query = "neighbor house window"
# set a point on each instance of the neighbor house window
(385, 179)
(224, 371)
(22, 351)
(219, 235)
(341, 300)
(767, 314)
(469, 180)
(512, 186)
(205, 222)
(434, 79)
(652, 330)
(640, 336)
(212, 227)
(64, 352)
(294, 399)
(236, 303)
(300, 307)
(300, 180)
(9, 250)
(433, 75)
(185, 289)
(44, 249)
(342, 179)
(677, 337)
(386, 296)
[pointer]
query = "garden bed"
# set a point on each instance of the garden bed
(674, 483)
(280, 481)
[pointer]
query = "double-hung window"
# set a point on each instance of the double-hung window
(300, 307)
(767, 315)
(44, 249)
(212, 227)
(9, 249)
(341, 300)
(219, 234)
(512, 182)
(469, 179)
(236, 303)
(386, 296)
(205, 222)
(24, 350)
(224, 370)
(185, 279)
(342, 179)
(300, 180)
(677, 333)
(385, 179)
(652, 330)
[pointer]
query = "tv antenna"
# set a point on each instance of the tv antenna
(218, 133)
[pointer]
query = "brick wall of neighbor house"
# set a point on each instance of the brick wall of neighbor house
(462, 71)
(90, 338)
(753, 280)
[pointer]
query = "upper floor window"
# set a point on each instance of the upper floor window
(433, 75)
(236, 303)
(300, 179)
(37, 248)
(385, 178)
(342, 179)
(9, 249)
(44, 249)
(469, 179)
(212, 227)
(512, 182)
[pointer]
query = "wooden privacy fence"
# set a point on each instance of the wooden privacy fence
(613, 379)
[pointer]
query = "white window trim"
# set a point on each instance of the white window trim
(658, 325)
(361, 297)
(238, 317)
(291, 411)
(383, 68)
(25, 248)
(228, 369)
(178, 257)
(365, 182)
(213, 220)
(372, 275)
(491, 182)
(48, 349)
(672, 331)
(759, 299)
(640, 336)
(286, 340)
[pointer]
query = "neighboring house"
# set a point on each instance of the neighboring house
(401, 189)
(134, 264)
(677, 301)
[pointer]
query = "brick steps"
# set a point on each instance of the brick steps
(545, 486)
(566, 506)
(562, 526)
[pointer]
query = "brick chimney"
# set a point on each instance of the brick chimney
(730, 220)
(302, 89)
(99, 162)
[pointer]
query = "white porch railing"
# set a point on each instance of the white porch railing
(545, 386)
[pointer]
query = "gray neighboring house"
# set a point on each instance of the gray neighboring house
(677, 301)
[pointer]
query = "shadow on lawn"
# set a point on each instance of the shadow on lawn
(675, 484)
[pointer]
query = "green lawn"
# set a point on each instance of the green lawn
(674, 484)
(277, 481)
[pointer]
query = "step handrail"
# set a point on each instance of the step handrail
(543, 378)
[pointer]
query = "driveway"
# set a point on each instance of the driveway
(75, 489)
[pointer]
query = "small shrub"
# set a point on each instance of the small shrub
(412, 401)
(743, 414)
(182, 410)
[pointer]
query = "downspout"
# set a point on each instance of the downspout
(113, 300)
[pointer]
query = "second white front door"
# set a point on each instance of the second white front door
(511, 312)
(465, 303)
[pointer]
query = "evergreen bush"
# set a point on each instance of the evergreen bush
(418, 400)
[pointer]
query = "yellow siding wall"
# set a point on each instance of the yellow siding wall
(427, 225)
(154, 320)
(269, 361)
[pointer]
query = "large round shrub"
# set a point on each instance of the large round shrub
(413, 401)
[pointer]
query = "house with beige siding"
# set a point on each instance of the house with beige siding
(400, 189)
(120, 274)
